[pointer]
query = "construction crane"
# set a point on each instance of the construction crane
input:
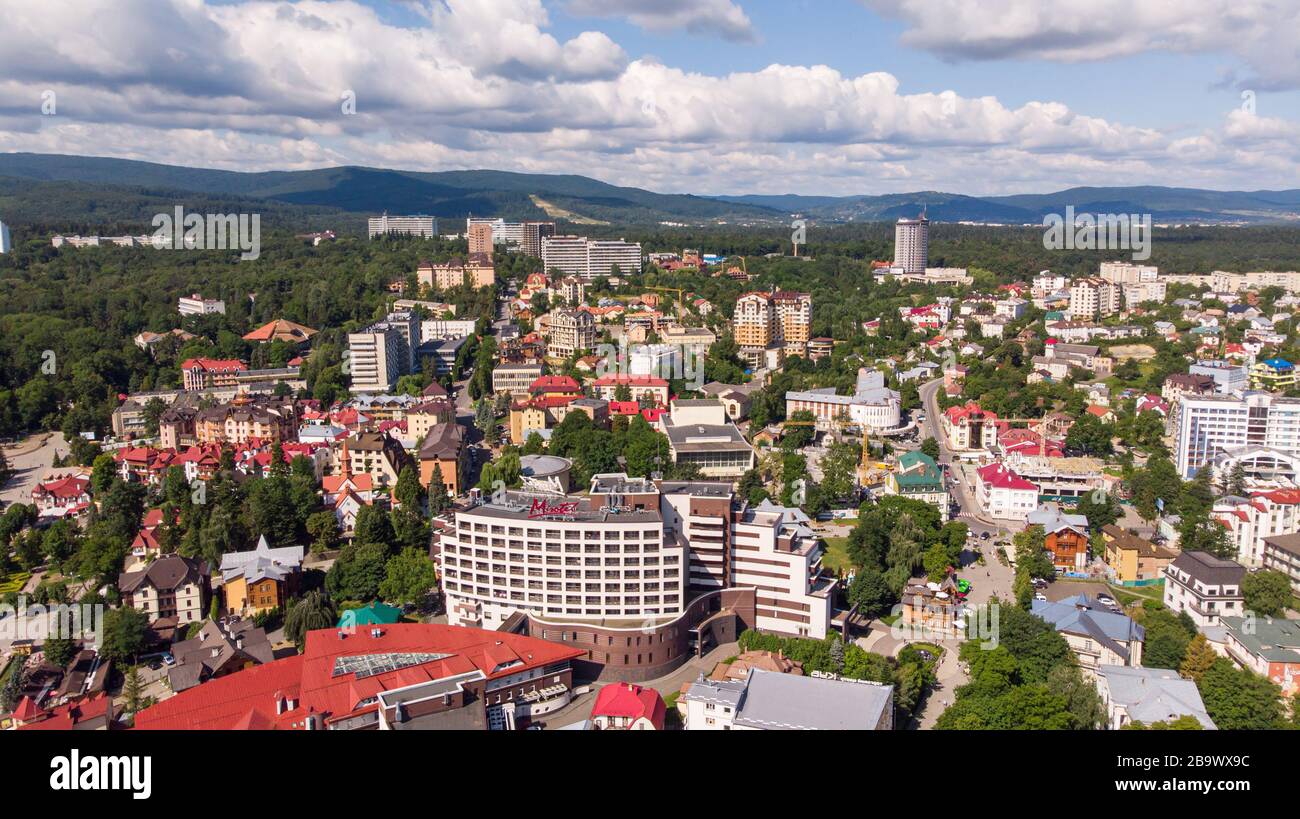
(676, 290)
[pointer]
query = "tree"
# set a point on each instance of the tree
(534, 445)
(133, 691)
(1239, 700)
(870, 593)
(930, 447)
(1099, 508)
(439, 500)
(124, 634)
(1089, 435)
(310, 612)
(1167, 637)
(59, 650)
(1198, 658)
(840, 471)
(323, 528)
(1267, 592)
(373, 526)
(1159, 482)
(1080, 696)
(357, 572)
(408, 490)
(408, 577)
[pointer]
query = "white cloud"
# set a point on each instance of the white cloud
(723, 18)
(1262, 33)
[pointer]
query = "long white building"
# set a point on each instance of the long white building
(631, 570)
(1213, 425)
(873, 406)
(5, 242)
(418, 225)
(589, 258)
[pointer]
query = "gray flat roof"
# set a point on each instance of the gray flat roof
(775, 701)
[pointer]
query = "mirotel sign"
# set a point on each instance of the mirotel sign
(541, 508)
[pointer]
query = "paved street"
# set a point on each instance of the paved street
(28, 463)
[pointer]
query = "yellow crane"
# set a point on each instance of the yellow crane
(676, 290)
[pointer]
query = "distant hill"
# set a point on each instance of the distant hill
(371, 190)
(121, 189)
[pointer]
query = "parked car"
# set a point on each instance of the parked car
(1040, 596)
(168, 659)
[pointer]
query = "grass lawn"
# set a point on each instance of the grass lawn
(14, 583)
(837, 554)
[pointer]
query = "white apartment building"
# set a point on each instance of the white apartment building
(1204, 586)
(570, 331)
(589, 258)
(196, 305)
(417, 225)
(514, 378)
(1210, 425)
(772, 701)
(1250, 521)
(1135, 294)
(1093, 298)
(700, 433)
(1003, 494)
(912, 245)
(382, 353)
(5, 242)
(872, 406)
(1129, 273)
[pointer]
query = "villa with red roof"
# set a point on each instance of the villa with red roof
(281, 330)
(404, 676)
(205, 373)
(67, 496)
(627, 707)
(1003, 494)
(969, 427)
(555, 386)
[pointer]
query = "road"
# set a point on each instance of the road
(28, 466)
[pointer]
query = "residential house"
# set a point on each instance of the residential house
(917, 476)
(1148, 696)
(772, 701)
(443, 449)
(260, 580)
(627, 707)
(217, 650)
(1135, 561)
(1097, 636)
(1206, 587)
(1267, 646)
(1003, 494)
(171, 587)
(1066, 538)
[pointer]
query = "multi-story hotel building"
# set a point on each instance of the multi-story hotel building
(514, 378)
(754, 320)
(419, 225)
(1093, 298)
(873, 406)
(533, 235)
(199, 374)
(480, 237)
(383, 352)
(912, 244)
(589, 258)
(243, 419)
(570, 331)
(196, 305)
(1251, 521)
(641, 575)
(1214, 425)
(793, 320)
(475, 272)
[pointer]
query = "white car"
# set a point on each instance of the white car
(1040, 596)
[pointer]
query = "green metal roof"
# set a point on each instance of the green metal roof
(375, 614)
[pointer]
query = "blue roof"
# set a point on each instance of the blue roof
(1278, 364)
(1080, 615)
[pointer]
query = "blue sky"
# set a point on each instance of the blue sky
(706, 96)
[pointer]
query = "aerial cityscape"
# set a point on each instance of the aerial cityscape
(518, 365)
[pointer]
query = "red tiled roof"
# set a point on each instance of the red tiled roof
(999, 477)
(221, 364)
(248, 697)
(625, 700)
(554, 383)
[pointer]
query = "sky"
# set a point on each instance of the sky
(829, 97)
